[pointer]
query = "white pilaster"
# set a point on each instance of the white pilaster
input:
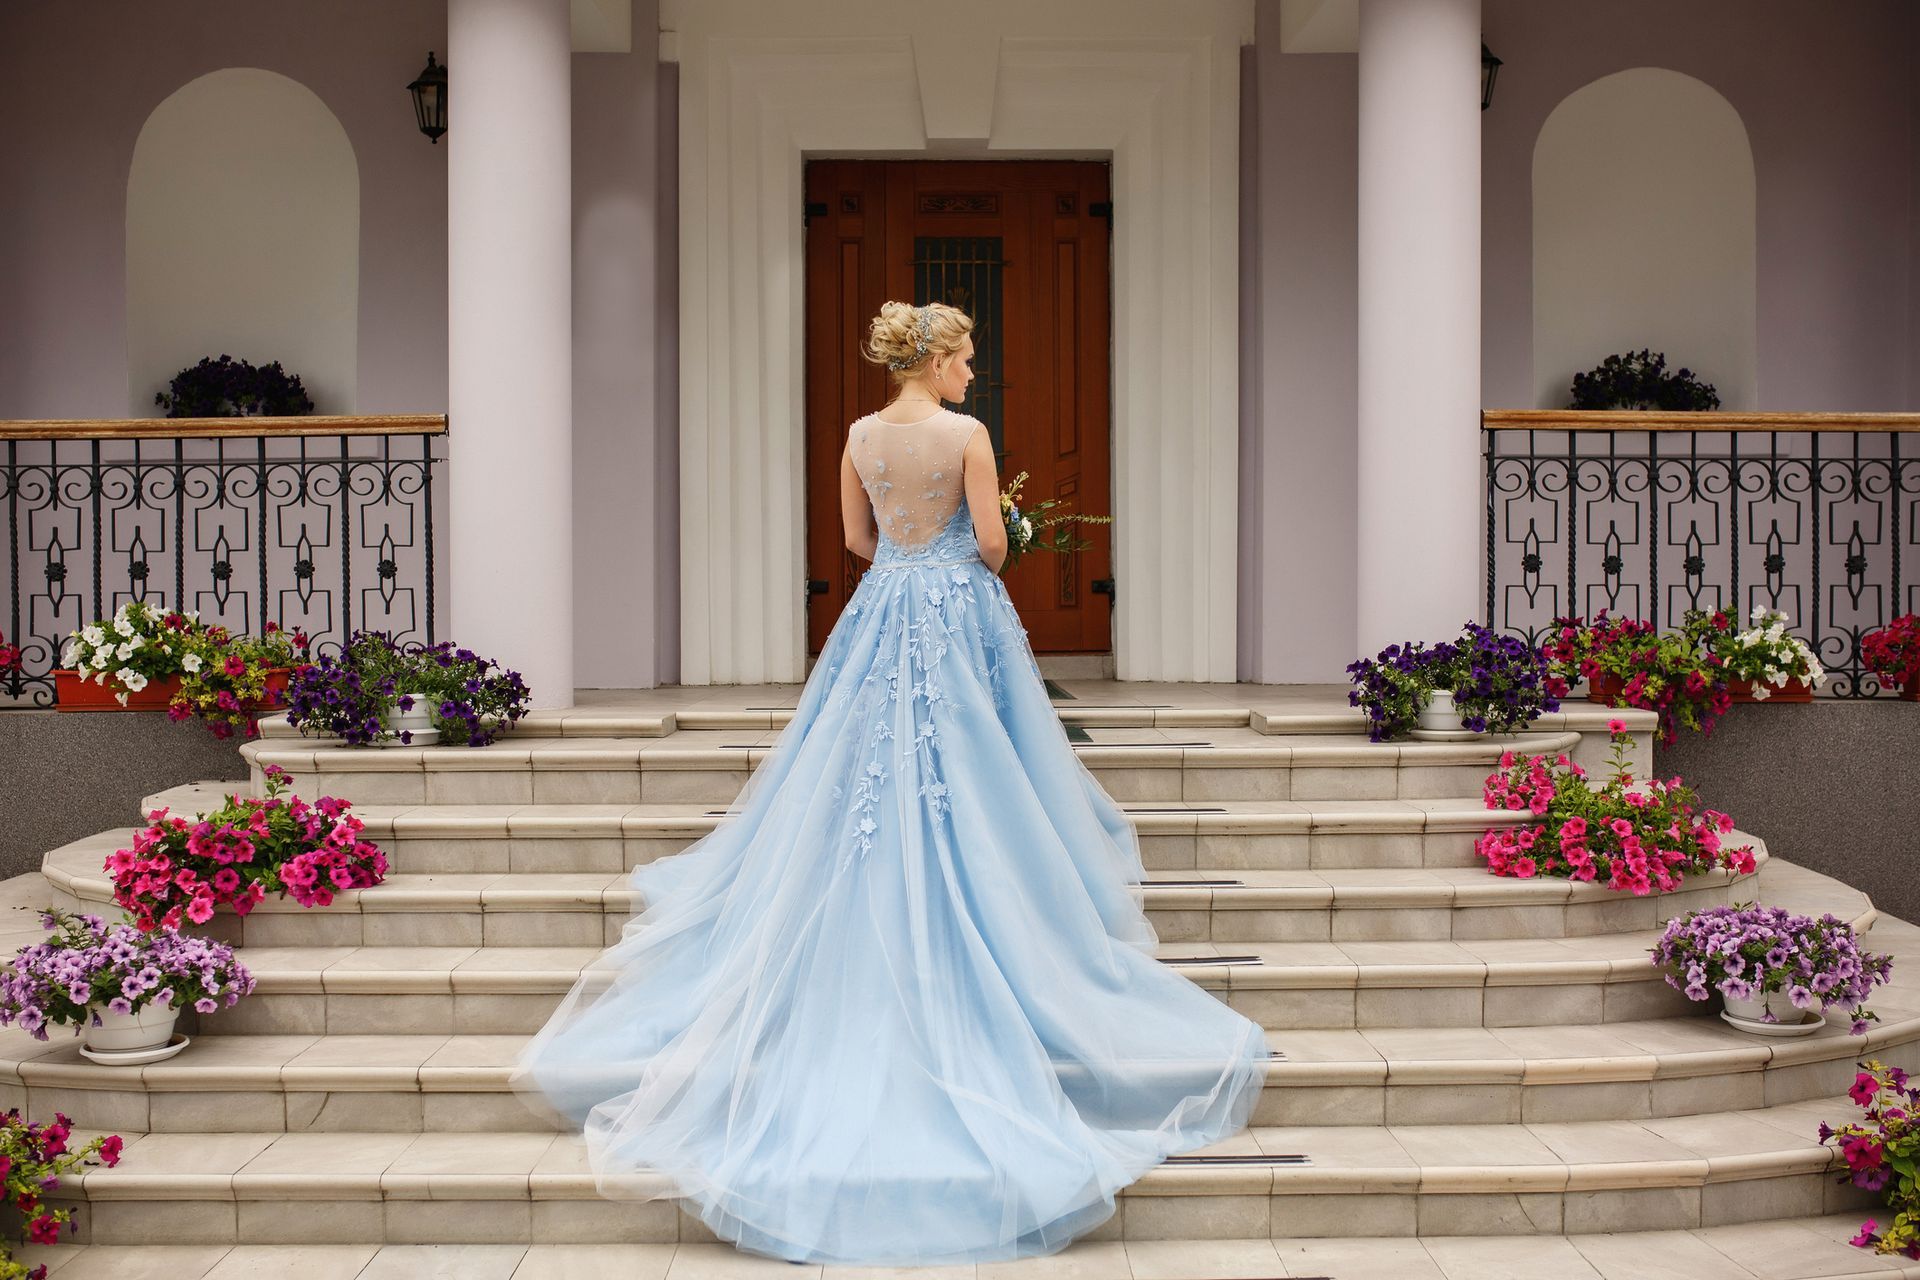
(1419, 395)
(510, 336)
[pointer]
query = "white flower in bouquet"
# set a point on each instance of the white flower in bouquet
(93, 635)
(1026, 528)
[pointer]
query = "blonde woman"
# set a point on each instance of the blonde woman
(901, 1006)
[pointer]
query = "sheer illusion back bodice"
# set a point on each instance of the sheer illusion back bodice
(912, 473)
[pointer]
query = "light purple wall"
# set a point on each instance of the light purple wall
(1913, 218)
(1300, 377)
(618, 361)
(77, 82)
(1827, 95)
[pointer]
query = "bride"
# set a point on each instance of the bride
(901, 1007)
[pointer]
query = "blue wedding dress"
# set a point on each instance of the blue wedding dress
(900, 1007)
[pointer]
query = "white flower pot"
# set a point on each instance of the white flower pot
(1438, 714)
(148, 1028)
(1753, 1013)
(418, 721)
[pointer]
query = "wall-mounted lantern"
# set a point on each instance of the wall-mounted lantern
(1489, 69)
(429, 92)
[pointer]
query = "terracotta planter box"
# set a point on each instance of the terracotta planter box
(1604, 689)
(1792, 691)
(71, 693)
(1911, 693)
(277, 678)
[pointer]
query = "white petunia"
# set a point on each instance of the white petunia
(191, 663)
(134, 681)
(124, 627)
(93, 635)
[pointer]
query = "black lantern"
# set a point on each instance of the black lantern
(1489, 69)
(430, 99)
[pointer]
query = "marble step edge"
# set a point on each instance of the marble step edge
(610, 722)
(1327, 715)
(1795, 1248)
(440, 970)
(77, 871)
(611, 755)
(1591, 1156)
(225, 1064)
(691, 820)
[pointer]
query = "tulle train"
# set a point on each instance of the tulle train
(900, 1007)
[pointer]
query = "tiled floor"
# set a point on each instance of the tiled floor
(1795, 1250)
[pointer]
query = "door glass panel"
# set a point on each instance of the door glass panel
(965, 272)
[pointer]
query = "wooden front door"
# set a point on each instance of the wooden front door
(1022, 247)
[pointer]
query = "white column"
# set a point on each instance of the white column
(1419, 395)
(510, 336)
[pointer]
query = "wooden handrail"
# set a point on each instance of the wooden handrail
(1663, 420)
(412, 424)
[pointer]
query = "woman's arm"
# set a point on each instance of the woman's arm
(856, 513)
(983, 498)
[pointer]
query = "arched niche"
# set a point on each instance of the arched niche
(1643, 233)
(243, 236)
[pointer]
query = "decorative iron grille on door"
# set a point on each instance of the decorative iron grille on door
(965, 272)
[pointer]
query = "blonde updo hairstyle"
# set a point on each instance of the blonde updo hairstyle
(894, 339)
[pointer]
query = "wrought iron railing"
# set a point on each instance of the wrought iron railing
(325, 524)
(1651, 514)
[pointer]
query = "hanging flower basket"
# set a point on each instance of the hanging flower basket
(74, 692)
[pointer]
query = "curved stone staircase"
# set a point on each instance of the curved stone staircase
(1472, 1071)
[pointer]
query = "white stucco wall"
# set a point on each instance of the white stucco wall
(1644, 234)
(243, 237)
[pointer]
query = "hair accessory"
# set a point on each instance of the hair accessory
(920, 343)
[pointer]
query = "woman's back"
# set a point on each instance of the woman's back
(912, 472)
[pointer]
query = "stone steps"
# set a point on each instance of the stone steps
(1467, 1058)
(1678, 1173)
(1789, 1249)
(528, 908)
(713, 767)
(1278, 835)
(403, 1082)
(495, 989)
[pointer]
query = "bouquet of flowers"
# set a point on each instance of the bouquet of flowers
(89, 962)
(226, 683)
(470, 697)
(1882, 1151)
(33, 1157)
(1893, 651)
(1035, 529)
(1669, 673)
(239, 853)
(1746, 952)
(1631, 836)
(1763, 655)
(1498, 683)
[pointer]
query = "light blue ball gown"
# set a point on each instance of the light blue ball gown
(900, 1007)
